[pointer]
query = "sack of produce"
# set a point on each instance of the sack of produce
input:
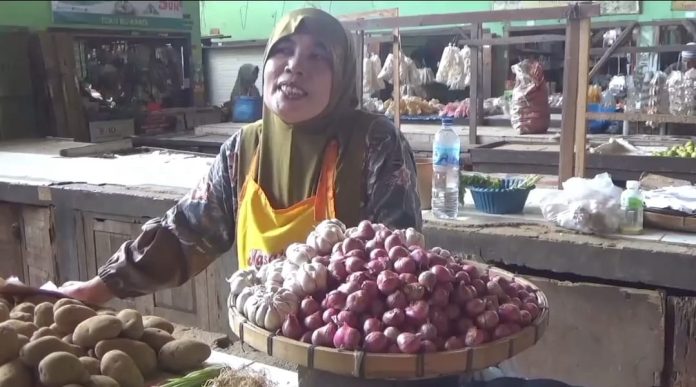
(529, 107)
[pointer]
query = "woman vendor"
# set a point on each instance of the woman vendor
(314, 155)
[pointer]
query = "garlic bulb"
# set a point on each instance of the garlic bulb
(267, 306)
(299, 253)
(240, 280)
(414, 238)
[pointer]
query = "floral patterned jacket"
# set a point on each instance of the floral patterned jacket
(201, 226)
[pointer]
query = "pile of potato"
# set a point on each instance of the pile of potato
(68, 344)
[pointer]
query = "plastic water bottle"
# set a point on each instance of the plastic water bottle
(445, 195)
(632, 208)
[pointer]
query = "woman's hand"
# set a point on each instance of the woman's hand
(93, 291)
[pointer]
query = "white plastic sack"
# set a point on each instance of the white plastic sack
(590, 206)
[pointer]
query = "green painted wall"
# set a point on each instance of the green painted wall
(245, 20)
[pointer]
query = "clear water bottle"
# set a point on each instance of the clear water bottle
(632, 208)
(445, 196)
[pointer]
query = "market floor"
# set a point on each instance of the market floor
(230, 345)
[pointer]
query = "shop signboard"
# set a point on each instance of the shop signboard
(606, 7)
(128, 14)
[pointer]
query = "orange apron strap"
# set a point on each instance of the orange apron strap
(250, 174)
(325, 198)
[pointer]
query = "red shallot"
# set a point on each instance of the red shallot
(394, 318)
(337, 270)
(442, 273)
(358, 301)
(375, 267)
(307, 337)
(418, 311)
(291, 327)
(378, 252)
(313, 321)
(347, 317)
(525, 318)
(370, 287)
(421, 258)
(397, 300)
(376, 342)
(347, 338)
(414, 291)
(329, 314)
(392, 333)
(487, 320)
(336, 299)
(355, 264)
(453, 343)
(427, 331)
(388, 282)
(392, 241)
(405, 265)
(309, 306)
(427, 279)
(408, 343)
(372, 325)
(475, 337)
(475, 307)
(324, 336)
(509, 313)
(408, 278)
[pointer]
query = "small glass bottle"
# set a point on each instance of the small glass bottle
(632, 204)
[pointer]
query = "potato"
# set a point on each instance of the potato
(67, 317)
(25, 307)
(21, 327)
(4, 301)
(65, 301)
(159, 323)
(120, 367)
(73, 385)
(132, 324)
(156, 338)
(43, 332)
(68, 339)
(109, 312)
(10, 344)
(55, 328)
(43, 314)
(32, 353)
(4, 312)
(15, 374)
(41, 298)
(183, 355)
(95, 329)
(144, 356)
(23, 340)
(102, 381)
(61, 368)
(91, 365)
(22, 316)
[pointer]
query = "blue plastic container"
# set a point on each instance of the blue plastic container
(597, 126)
(247, 109)
(500, 201)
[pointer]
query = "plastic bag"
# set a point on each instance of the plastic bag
(658, 97)
(529, 106)
(590, 206)
(445, 65)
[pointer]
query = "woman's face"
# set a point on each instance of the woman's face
(297, 78)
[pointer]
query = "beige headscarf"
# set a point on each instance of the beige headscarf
(290, 156)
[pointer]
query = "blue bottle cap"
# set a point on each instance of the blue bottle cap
(447, 120)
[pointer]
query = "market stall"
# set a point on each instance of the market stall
(123, 69)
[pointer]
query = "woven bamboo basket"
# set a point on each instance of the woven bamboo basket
(390, 366)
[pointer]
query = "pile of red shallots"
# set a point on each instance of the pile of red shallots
(387, 294)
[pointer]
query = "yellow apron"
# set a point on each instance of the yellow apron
(262, 228)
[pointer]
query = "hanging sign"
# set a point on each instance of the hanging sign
(131, 14)
(684, 5)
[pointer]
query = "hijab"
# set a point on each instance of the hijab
(244, 85)
(290, 156)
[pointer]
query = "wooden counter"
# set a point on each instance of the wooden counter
(619, 307)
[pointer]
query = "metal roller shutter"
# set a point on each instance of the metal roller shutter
(222, 66)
